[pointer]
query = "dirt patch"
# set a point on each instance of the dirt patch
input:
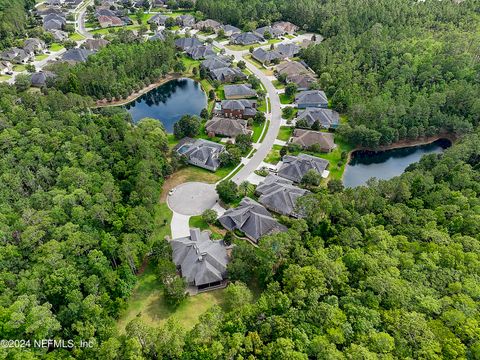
(184, 175)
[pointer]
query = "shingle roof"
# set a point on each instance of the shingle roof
(328, 118)
(201, 260)
(158, 19)
(185, 43)
(280, 195)
(77, 55)
(185, 20)
(226, 126)
(311, 97)
(40, 78)
(285, 26)
(215, 62)
(226, 73)
(203, 152)
(266, 56)
(247, 38)
(209, 23)
(252, 219)
(242, 90)
(200, 52)
(95, 44)
(295, 167)
(241, 104)
(275, 32)
(307, 138)
(288, 50)
(230, 30)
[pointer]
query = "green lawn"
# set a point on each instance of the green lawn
(257, 131)
(273, 156)
(162, 220)
(232, 174)
(262, 105)
(190, 64)
(41, 57)
(197, 222)
(56, 47)
(284, 99)
(19, 68)
(337, 165)
(285, 133)
(220, 93)
(278, 84)
(147, 302)
(265, 132)
(5, 77)
(76, 37)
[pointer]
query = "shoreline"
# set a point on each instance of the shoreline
(132, 97)
(401, 144)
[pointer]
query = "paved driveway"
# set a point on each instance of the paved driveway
(192, 198)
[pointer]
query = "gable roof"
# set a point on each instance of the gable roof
(200, 52)
(266, 56)
(230, 30)
(227, 73)
(226, 126)
(159, 35)
(241, 90)
(95, 44)
(215, 62)
(291, 68)
(285, 26)
(209, 23)
(280, 195)
(252, 219)
(185, 43)
(202, 152)
(288, 50)
(40, 78)
(241, 104)
(77, 55)
(201, 260)
(247, 38)
(158, 19)
(185, 20)
(275, 32)
(328, 118)
(307, 138)
(295, 167)
(311, 97)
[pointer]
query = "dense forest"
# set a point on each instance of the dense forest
(77, 196)
(14, 15)
(117, 70)
(399, 69)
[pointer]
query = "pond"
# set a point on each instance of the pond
(169, 102)
(386, 164)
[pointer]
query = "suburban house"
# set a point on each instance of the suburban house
(242, 108)
(59, 35)
(201, 261)
(39, 79)
(326, 117)
(104, 12)
(295, 167)
(316, 39)
(158, 19)
(274, 33)
(186, 43)
(76, 55)
(207, 25)
(185, 21)
(241, 91)
(288, 50)
(230, 30)
(312, 99)
(109, 21)
(200, 52)
(95, 44)
(285, 27)
(53, 25)
(159, 35)
(16, 55)
(280, 195)
(297, 73)
(34, 46)
(201, 153)
(266, 56)
(216, 62)
(227, 75)
(5, 67)
(252, 219)
(247, 38)
(308, 138)
(229, 127)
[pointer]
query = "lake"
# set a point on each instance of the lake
(169, 102)
(386, 164)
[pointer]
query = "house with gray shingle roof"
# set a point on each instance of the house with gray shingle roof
(202, 262)
(229, 127)
(158, 19)
(34, 46)
(288, 50)
(227, 75)
(241, 108)
(295, 167)
(241, 91)
(186, 43)
(326, 117)
(230, 30)
(77, 55)
(16, 55)
(201, 153)
(311, 99)
(95, 44)
(280, 195)
(247, 38)
(274, 32)
(252, 219)
(185, 20)
(40, 79)
(200, 52)
(216, 62)
(308, 138)
(286, 27)
(207, 24)
(297, 73)
(266, 56)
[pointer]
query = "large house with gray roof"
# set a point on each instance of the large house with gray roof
(186, 43)
(216, 62)
(266, 56)
(200, 52)
(308, 139)
(297, 73)
(226, 127)
(247, 38)
(252, 219)
(311, 99)
(76, 55)
(280, 195)
(288, 50)
(240, 91)
(230, 30)
(227, 75)
(295, 167)
(327, 118)
(201, 261)
(201, 153)
(274, 32)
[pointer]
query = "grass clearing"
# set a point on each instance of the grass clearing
(5, 77)
(19, 68)
(337, 165)
(278, 84)
(41, 57)
(284, 99)
(216, 232)
(76, 37)
(285, 133)
(56, 47)
(273, 156)
(162, 221)
(147, 302)
(257, 131)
